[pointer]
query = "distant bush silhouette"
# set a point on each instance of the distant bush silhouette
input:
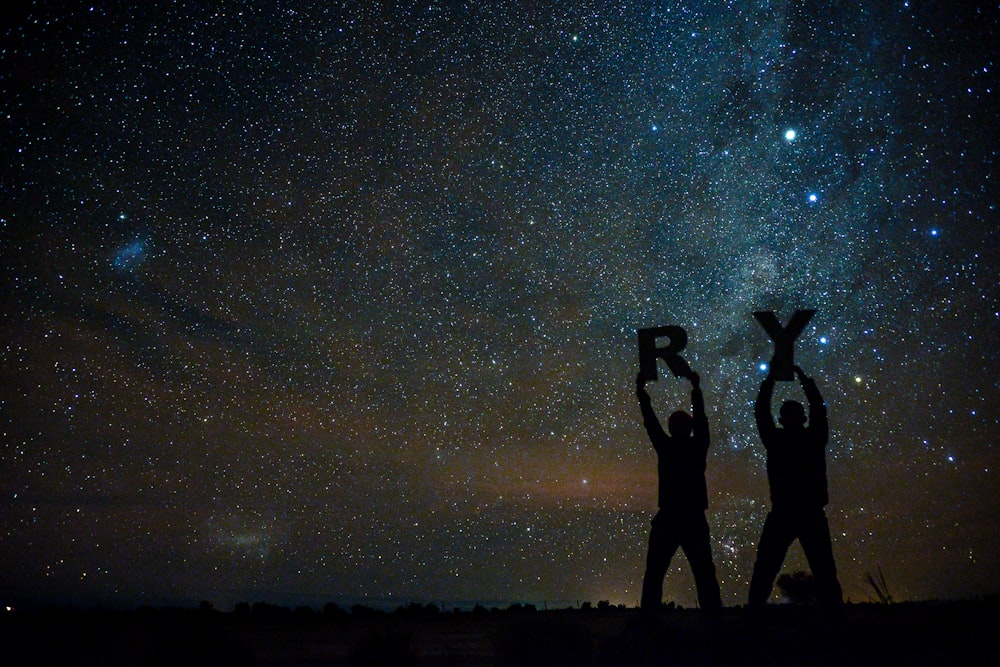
(333, 610)
(669, 606)
(417, 609)
(362, 611)
(268, 610)
(798, 587)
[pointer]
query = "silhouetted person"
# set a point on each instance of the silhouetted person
(796, 472)
(683, 498)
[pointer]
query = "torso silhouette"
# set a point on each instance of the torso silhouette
(681, 461)
(796, 457)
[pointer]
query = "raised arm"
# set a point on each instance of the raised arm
(762, 409)
(698, 411)
(818, 423)
(649, 420)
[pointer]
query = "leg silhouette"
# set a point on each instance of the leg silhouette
(777, 536)
(815, 540)
(699, 554)
(663, 542)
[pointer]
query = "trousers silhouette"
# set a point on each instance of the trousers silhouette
(781, 528)
(689, 531)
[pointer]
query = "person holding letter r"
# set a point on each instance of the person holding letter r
(796, 472)
(683, 498)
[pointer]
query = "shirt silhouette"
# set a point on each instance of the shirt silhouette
(683, 498)
(796, 472)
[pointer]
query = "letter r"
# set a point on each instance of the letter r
(649, 353)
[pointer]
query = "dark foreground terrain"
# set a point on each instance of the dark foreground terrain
(953, 633)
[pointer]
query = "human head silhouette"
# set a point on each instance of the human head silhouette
(792, 415)
(680, 424)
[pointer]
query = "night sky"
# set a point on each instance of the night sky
(310, 302)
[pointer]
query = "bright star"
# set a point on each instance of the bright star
(813, 198)
(790, 135)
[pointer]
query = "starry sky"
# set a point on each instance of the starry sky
(310, 302)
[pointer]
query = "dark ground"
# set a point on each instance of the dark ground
(950, 633)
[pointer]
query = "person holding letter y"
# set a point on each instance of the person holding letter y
(683, 498)
(796, 472)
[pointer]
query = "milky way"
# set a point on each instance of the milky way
(308, 302)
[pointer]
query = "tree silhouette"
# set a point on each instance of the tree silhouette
(798, 587)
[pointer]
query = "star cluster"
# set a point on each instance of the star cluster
(309, 302)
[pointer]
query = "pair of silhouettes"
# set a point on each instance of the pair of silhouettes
(796, 472)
